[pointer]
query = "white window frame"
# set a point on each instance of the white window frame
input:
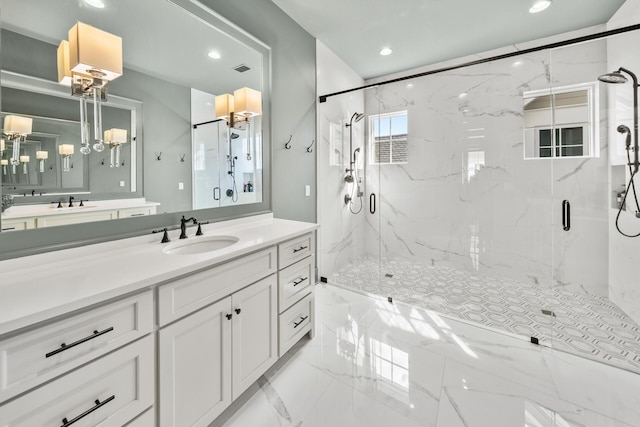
(372, 153)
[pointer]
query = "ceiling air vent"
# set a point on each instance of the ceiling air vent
(241, 68)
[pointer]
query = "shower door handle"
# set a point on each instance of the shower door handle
(372, 203)
(214, 193)
(566, 215)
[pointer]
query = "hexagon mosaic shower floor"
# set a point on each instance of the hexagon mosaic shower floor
(589, 325)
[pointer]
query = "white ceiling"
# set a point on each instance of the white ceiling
(159, 39)
(423, 32)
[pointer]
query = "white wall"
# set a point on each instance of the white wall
(341, 234)
(623, 51)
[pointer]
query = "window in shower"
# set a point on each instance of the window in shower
(561, 122)
(388, 138)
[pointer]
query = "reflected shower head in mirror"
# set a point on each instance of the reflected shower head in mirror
(616, 78)
(234, 135)
(357, 117)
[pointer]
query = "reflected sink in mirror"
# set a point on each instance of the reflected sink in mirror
(200, 245)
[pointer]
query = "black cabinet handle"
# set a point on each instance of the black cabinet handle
(139, 214)
(302, 319)
(64, 346)
(566, 215)
(66, 422)
(8, 228)
(238, 310)
(300, 249)
(229, 316)
(372, 203)
(297, 282)
(214, 193)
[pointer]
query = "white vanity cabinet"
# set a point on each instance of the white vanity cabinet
(17, 224)
(172, 348)
(296, 279)
(210, 357)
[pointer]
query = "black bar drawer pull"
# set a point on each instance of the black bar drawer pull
(140, 214)
(297, 282)
(8, 228)
(302, 319)
(566, 215)
(66, 422)
(64, 346)
(301, 248)
(372, 203)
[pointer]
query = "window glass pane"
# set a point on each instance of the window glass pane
(400, 150)
(385, 128)
(545, 138)
(572, 151)
(571, 136)
(383, 150)
(545, 152)
(399, 125)
(376, 127)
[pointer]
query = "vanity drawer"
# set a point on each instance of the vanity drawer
(294, 282)
(140, 211)
(145, 420)
(184, 296)
(295, 322)
(108, 392)
(294, 250)
(74, 218)
(18, 224)
(29, 359)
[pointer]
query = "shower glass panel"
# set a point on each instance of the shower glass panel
(497, 188)
(209, 141)
(595, 315)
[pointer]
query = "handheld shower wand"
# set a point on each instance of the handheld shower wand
(357, 117)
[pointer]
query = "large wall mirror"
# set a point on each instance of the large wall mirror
(177, 150)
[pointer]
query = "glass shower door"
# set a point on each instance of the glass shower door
(207, 164)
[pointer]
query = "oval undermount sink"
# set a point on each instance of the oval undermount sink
(199, 245)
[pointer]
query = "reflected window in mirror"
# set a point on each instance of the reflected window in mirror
(561, 122)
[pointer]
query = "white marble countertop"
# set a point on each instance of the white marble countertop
(46, 209)
(39, 287)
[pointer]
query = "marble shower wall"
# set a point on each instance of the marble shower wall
(467, 199)
(624, 257)
(341, 237)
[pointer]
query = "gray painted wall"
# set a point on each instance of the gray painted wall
(293, 101)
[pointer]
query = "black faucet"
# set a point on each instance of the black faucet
(183, 226)
(70, 201)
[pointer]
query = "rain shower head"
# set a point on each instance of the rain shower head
(616, 78)
(357, 117)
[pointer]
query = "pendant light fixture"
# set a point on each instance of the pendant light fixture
(115, 138)
(41, 156)
(87, 62)
(66, 151)
(16, 128)
(239, 107)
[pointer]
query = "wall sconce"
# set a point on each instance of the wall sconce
(24, 160)
(115, 137)
(66, 151)
(87, 62)
(13, 165)
(239, 107)
(1, 145)
(17, 128)
(4, 163)
(41, 156)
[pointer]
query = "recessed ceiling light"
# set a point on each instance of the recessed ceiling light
(539, 6)
(518, 63)
(462, 95)
(410, 85)
(385, 51)
(95, 3)
(214, 55)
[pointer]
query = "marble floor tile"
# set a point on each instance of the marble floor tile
(374, 363)
(585, 324)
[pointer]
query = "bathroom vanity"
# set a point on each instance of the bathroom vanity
(25, 217)
(139, 333)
